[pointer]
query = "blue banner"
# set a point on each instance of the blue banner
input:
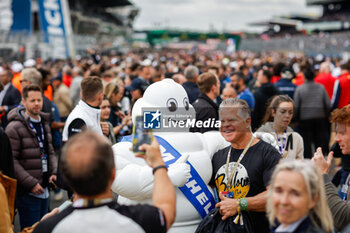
(195, 190)
(22, 16)
(53, 27)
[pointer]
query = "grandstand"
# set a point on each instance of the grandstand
(101, 17)
(336, 16)
(327, 34)
(83, 24)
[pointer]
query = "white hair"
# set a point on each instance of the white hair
(242, 105)
(191, 72)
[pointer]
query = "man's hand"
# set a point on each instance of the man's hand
(152, 154)
(50, 214)
(52, 180)
(228, 206)
(105, 128)
(37, 190)
(320, 161)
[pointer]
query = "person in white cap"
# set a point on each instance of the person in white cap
(16, 68)
(29, 63)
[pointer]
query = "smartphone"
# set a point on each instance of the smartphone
(64, 205)
(52, 185)
(140, 135)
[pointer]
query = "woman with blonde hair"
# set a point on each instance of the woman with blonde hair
(277, 118)
(296, 200)
(114, 93)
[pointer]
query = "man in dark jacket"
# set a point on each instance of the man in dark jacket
(191, 73)
(206, 108)
(285, 85)
(262, 96)
(6, 159)
(34, 158)
(9, 96)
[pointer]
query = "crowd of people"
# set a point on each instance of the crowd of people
(84, 106)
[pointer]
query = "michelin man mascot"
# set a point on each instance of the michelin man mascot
(187, 155)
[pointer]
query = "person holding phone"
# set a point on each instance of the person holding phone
(94, 209)
(120, 120)
(107, 127)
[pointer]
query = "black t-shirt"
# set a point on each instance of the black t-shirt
(76, 126)
(251, 176)
(111, 219)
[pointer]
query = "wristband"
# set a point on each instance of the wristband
(243, 203)
(238, 206)
(159, 167)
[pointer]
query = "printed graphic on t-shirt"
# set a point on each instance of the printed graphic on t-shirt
(240, 184)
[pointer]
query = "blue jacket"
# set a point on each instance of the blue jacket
(192, 91)
(286, 87)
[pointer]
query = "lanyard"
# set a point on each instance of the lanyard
(236, 165)
(282, 142)
(80, 203)
(40, 139)
(345, 188)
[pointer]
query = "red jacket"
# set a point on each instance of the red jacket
(327, 80)
(298, 80)
(67, 80)
(275, 79)
(341, 96)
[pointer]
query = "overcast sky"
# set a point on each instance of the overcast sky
(231, 15)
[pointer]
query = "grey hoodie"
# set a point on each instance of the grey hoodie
(296, 145)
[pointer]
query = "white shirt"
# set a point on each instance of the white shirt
(101, 219)
(90, 115)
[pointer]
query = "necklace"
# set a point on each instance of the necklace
(281, 142)
(230, 177)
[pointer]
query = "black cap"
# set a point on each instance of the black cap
(287, 73)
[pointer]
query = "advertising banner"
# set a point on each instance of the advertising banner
(16, 15)
(56, 26)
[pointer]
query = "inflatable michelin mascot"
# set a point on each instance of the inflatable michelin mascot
(187, 155)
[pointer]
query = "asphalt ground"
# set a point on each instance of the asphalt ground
(52, 204)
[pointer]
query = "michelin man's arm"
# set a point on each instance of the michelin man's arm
(134, 182)
(268, 138)
(134, 179)
(213, 141)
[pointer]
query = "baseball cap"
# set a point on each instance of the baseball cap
(287, 73)
(16, 67)
(57, 77)
(137, 83)
(29, 63)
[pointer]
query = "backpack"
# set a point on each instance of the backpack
(212, 223)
